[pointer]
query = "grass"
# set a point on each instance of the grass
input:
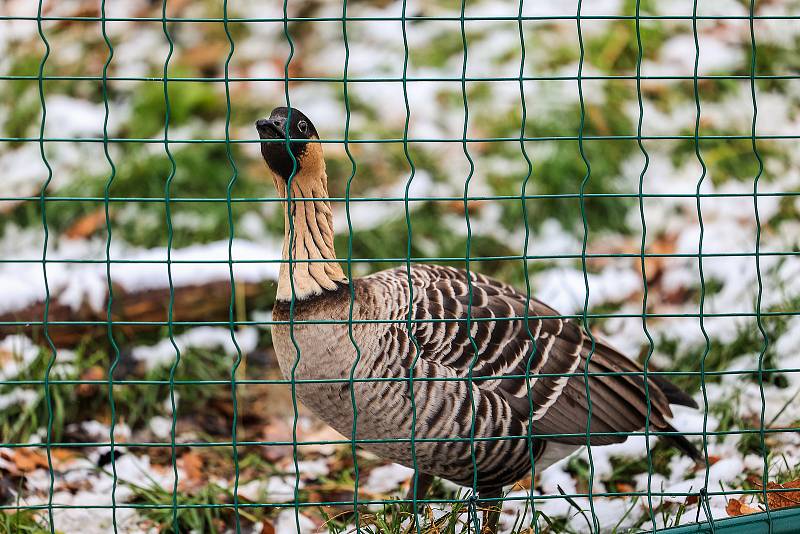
(196, 517)
(23, 522)
(136, 404)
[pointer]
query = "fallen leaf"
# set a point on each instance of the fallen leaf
(94, 372)
(26, 460)
(624, 487)
(87, 225)
(523, 484)
(777, 498)
(783, 499)
(736, 507)
(192, 465)
(206, 56)
(267, 527)
(63, 455)
(655, 263)
(457, 206)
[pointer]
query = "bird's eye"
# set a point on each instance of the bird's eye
(302, 126)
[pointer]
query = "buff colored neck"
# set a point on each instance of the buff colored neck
(313, 234)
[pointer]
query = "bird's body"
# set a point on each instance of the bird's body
(498, 377)
(385, 350)
(381, 355)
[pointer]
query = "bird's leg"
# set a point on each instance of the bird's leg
(420, 489)
(491, 510)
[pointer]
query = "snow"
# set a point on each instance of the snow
(161, 427)
(203, 337)
(287, 522)
(311, 469)
(78, 284)
(22, 397)
(275, 489)
(131, 470)
(565, 289)
(16, 354)
(68, 117)
(387, 478)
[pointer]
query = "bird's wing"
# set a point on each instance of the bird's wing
(547, 355)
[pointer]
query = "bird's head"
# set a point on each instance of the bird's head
(307, 154)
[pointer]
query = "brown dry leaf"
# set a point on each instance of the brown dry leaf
(276, 430)
(27, 460)
(523, 484)
(6, 356)
(325, 433)
(87, 225)
(192, 465)
(736, 507)
(206, 56)
(780, 499)
(267, 527)
(94, 372)
(63, 455)
(457, 206)
(784, 499)
(624, 487)
(655, 265)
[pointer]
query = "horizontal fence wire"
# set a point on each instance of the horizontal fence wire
(240, 432)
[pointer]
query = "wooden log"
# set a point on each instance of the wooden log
(205, 302)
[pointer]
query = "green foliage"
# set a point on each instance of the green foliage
(561, 170)
(23, 522)
(136, 403)
(201, 512)
(202, 173)
(188, 101)
(27, 108)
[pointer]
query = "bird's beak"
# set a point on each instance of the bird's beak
(270, 129)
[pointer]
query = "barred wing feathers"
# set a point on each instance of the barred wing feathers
(554, 352)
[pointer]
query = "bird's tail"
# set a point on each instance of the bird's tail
(680, 442)
(673, 393)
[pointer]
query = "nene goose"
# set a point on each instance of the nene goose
(550, 346)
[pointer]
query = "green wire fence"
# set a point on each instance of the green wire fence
(200, 118)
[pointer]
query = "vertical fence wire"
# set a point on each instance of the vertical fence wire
(410, 303)
(46, 316)
(290, 267)
(349, 263)
(700, 242)
(232, 305)
(468, 278)
(170, 239)
(534, 522)
(584, 315)
(759, 322)
(109, 305)
(643, 266)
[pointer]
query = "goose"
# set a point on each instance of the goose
(515, 420)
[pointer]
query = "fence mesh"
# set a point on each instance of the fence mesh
(629, 163)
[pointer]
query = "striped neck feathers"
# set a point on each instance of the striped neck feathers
(312, 239)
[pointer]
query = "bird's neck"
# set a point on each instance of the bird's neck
(308, 237)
